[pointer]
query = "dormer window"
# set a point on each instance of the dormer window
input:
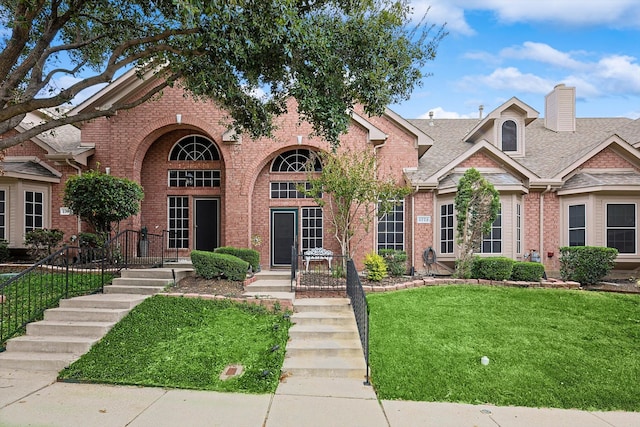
(509, 136)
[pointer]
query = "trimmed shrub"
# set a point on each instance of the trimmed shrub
(586, 264)
(4, 250)
(249, 255)
(527, 271)
(395, 260)
(492, 268)
(211, 265)
(376, 267)
(42, 242)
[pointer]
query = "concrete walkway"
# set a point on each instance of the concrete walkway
(35, 399)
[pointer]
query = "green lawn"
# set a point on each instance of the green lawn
(186, 343)
(547, 348)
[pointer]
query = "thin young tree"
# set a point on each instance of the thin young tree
(477, 204)
(349, 189)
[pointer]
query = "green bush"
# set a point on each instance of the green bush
(395, 260)
(249, 255)
(211, 265)
(42, 242)
(586, 264)
(527, 271)
(492, 268)
(4, 250)
(376, 267)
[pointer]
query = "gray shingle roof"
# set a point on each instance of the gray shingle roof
(546, 152)
(27, 167)
(590, 179)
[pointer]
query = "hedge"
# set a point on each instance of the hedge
(376, 267)
(586, 264)
(492, 268)
(249, 255)
(210, 265)
(527, 271)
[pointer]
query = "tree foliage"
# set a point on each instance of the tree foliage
(248, 56)
(102, 200)
(477, 204)
(352, 194)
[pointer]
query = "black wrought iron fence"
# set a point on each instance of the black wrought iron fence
(321, 274)
(135, 248)
(26, 295)
(360, 309)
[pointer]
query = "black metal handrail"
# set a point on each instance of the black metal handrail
(360, 309)
(294, 267)
(25, 296)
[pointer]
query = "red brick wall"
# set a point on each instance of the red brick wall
(607, 158)
(136, 144)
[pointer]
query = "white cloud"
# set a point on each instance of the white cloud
(542, 52)
(511, 79)
(441, 113)
(440, 13)
(612, 13)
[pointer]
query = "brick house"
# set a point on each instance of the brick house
(562, 180)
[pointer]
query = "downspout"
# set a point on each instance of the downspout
(79, 169)
(541, 236)
(413, 230)
(375, 171)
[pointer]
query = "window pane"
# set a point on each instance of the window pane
(576, 237)
(577, 216)
(619, 215)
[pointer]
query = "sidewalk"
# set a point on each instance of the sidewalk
(35, 399)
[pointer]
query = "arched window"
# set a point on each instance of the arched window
(509, 136)
(194, 148)
(295, 161)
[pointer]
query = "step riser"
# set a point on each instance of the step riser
(34, 365)
(300, 308)
(48, 347)
(78, 303)
(324, 352)
(322, 335)
(138, 290)
(261, 288)
(325, 373)
(283, 276)
(63, 315)
(142, 282)
(153, 273)
(71, 330)
(320, 321)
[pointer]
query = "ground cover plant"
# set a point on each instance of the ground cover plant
(27, 297)
(546, 348)
(186, 343)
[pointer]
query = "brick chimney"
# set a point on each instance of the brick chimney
(560, 109)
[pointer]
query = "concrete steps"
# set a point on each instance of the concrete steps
(68, 331)
(270, 284)
(324, 341)
(146, 281)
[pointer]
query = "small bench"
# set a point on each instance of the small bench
(317, 254)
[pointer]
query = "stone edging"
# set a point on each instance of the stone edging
(432, 281)
(266, 302)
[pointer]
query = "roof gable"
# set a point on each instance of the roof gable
(514, 104)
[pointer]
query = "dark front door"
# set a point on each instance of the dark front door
(207, 224)
(283, 235)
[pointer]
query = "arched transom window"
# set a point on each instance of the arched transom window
(295, 161)
(194, 148)
(509, 136)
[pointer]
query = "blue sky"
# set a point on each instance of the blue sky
(497, 49)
